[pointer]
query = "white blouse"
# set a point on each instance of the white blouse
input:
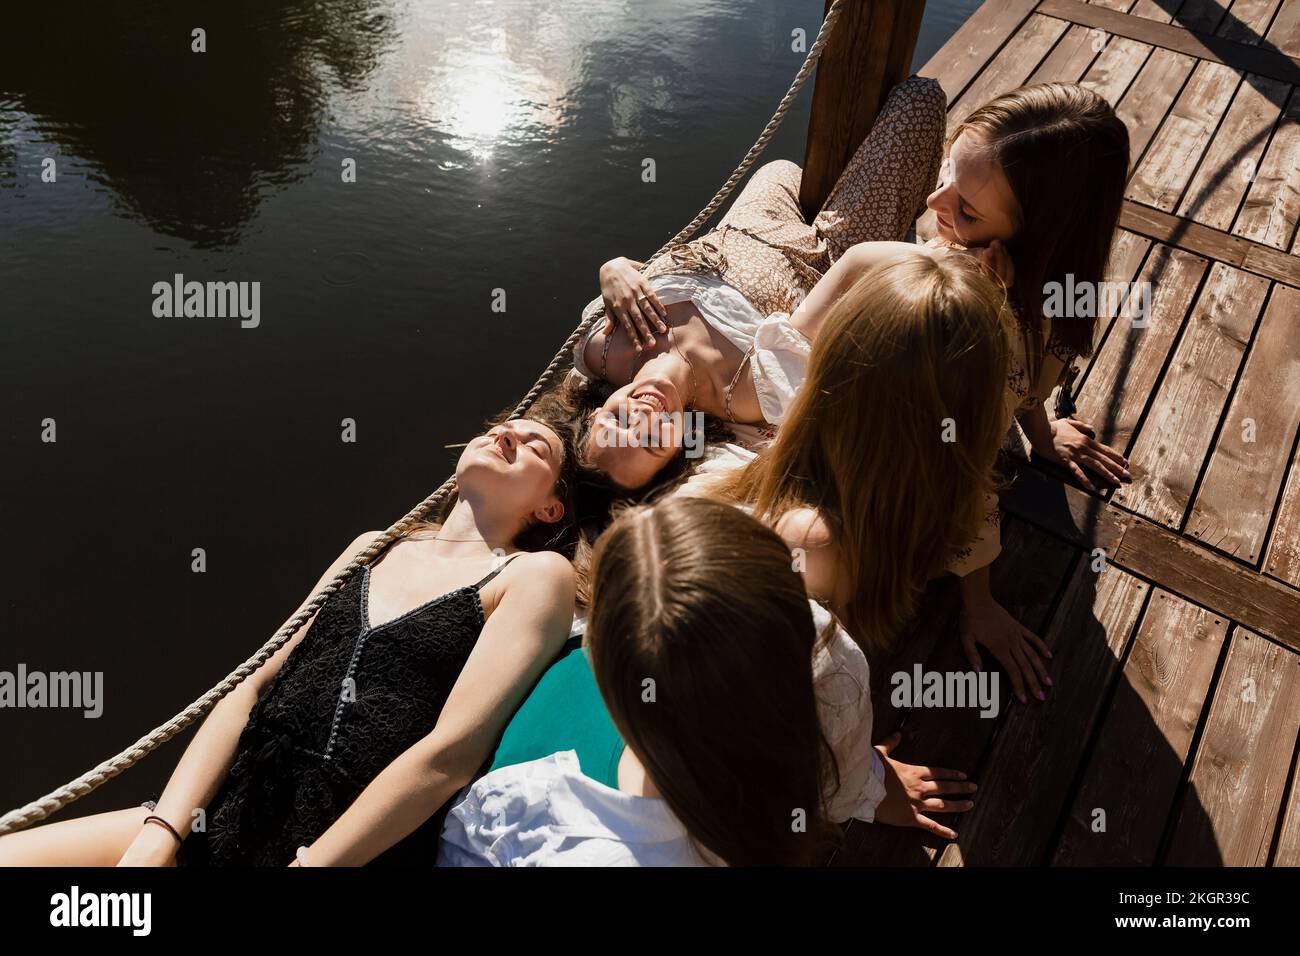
(546, 812)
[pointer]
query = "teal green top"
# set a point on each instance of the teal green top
(564, 712)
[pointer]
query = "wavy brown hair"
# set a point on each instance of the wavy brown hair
(1065, 154)
(914, 353)
(702, 600)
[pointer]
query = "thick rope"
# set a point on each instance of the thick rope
(91, 780)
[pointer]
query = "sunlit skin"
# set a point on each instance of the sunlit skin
(636, 431)
(974, 205)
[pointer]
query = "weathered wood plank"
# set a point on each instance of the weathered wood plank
(960, 59)
(1235, 502)
(1233, 53)
(1202, 240)
(1230, 806)
(1272, 206)
(1027, 776)
(1288, 844)
(1175, 439)
(1233, 158)
(1283, 557)
(1284, 34)
(1175, 151)
(1149, 97)
(1069, 59)
(1146, 735)
(1121, 379)
(1011, 67)
(1247, 21)
(1114, 70)
(1156, 554)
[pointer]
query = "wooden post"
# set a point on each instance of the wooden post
(869, 53)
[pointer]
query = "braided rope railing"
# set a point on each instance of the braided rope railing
(91, 780)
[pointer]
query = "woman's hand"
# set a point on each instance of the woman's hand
(630, 301)
(996, 262)
(912, 791)
(1075, 446)
(1019, 650)
(153, 846)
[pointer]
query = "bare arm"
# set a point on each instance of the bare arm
(206, 760)
(847, 270)
(523, 634)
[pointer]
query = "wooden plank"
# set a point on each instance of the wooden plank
(1231, 162)
(1175, 151)
(1125, 371)
(867, 55)
(1235, 502)
(1248, 20)
(960, 59)
(1230, 806)
(1202, 46)
(1272, 206)
(1288, 843)
(1284, 34)
(1127, 253)
(1025, 579)
(1011, 67)
(1146, 735)
(1283, 557)
(1026, 779)
(1202, 240)
(1202, 16)
(1175, 439)
(1148, 99)
(1114, 70)
(1155, 554)
(1069, 59)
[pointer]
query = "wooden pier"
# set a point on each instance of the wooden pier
(1170, 737)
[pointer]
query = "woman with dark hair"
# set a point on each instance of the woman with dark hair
(685, 729)
(345, 746)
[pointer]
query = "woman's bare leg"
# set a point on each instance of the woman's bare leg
(99, 839)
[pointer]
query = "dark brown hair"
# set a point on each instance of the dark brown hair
(701, 640)
(1065, 154)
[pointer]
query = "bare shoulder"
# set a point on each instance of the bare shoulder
(540, 575)
(808, 535)
(805, 528)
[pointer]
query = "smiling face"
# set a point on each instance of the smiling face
(636, 432)
(974, 204)
(515, 467)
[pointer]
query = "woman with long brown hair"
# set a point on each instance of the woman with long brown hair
(1034, 182)
(684, 729)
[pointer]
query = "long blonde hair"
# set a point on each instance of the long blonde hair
(893, 436)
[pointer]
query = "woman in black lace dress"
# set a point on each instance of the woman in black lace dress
(345, 747)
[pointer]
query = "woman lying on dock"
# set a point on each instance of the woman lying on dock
(638, 746)
(1011, 194)
(354, 735)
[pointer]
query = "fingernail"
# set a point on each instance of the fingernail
(1048, 682)
(1023, 699)
(652, 341)
(1042, 696)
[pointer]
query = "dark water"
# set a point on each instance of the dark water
(498, 145)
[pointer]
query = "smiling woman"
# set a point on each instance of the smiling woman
(418, 663)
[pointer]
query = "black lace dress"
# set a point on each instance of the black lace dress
(348, 700)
